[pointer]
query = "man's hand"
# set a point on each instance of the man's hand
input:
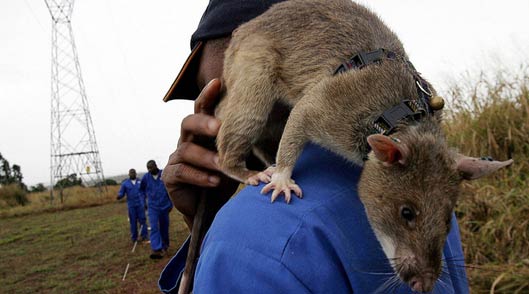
(117, 198)
(193, 167)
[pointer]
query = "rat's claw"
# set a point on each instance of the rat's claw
(258, 177)
(287, 195)
(297, 190)
(275, 194)
(284, 187)
(267, 188)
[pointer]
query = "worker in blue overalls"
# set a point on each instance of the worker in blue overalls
(159, 205)
(136, 204)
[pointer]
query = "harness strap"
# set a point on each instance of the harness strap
(407, 109)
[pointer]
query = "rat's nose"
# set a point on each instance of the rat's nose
(422, 284)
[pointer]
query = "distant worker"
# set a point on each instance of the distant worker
(136, 203)
(159, 205)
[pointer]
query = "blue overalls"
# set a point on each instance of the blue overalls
(136, 205)
(159, 206)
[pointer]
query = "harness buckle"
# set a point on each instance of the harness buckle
(406, 110)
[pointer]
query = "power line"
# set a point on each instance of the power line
(34, 15)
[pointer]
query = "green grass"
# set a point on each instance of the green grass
(78, 251)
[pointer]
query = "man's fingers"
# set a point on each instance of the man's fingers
(199, 124)
(192, 164)
(208, 97)
(195, 155)
(183, 173)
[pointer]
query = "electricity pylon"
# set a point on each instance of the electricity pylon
(74, 152)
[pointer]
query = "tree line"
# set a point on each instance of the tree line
(10, 174)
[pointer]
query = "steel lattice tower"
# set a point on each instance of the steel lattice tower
(73, 141)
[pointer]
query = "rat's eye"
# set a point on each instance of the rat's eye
(408, 214)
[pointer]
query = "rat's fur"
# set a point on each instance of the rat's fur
(291, 50)
(288, 56)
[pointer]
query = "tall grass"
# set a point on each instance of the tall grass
(491, 117)
(74, 197)
(12, 195)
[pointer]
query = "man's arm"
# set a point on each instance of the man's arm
(142, 195)
(143, 189)
(143, 185)
(122, 191)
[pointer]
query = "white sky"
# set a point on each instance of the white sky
(130, 52)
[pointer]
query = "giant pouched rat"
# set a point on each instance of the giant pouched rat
(375, 110)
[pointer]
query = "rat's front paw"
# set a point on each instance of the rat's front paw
(264, 176)
(282, 185)
(258, 177)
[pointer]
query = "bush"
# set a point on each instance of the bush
(37, 188)
(70, 181)
(493, 211)
(12, 195)
(110, 182)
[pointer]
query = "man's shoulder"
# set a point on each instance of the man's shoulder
(251, 221)
(311, 237)
(329, 196)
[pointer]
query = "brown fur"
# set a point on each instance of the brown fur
(281, 56)
(428, 183)
(287, 56)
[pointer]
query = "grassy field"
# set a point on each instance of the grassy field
(78, 251)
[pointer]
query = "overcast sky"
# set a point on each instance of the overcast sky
(130, 52)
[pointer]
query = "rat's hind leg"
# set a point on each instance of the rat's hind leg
(252, 91)
(233, 150)
(240, 128)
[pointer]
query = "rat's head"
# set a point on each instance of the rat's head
(409, 188)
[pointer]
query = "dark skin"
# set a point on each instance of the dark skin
(193, 167)
(152, 168)
(132, 174)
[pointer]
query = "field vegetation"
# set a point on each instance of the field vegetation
(490, 117)
(78, 251)
(38, 202)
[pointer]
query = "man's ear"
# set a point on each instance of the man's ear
(387, 150)
(471, 168)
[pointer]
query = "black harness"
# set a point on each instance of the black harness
(404, 111)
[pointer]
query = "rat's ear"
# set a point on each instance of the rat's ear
(387, 150)
(471, 168)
